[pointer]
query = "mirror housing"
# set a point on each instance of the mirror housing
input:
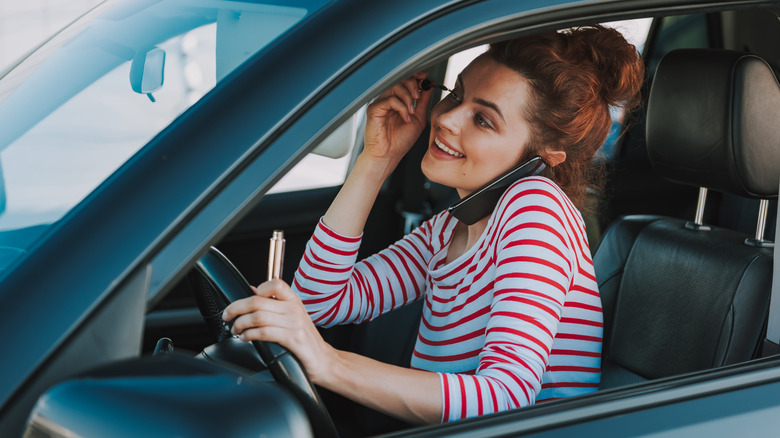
(147, 71)
(166, 395)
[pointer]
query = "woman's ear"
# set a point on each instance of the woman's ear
(554, 158)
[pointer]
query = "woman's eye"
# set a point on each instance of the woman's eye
(455, 96)
(480, 121)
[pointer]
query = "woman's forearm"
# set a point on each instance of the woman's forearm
(349, 211)
(392, 126)
(408, 394)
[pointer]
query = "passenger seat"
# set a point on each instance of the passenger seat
(682, 296)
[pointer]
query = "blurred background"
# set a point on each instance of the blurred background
(24, 24)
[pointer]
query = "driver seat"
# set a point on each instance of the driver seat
(682, 296)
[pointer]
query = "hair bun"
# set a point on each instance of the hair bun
(616, 63)
(575, 76)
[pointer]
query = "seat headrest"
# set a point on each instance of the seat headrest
(713, 120)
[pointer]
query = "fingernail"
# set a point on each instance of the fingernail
(224, 315)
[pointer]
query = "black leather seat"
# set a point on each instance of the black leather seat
(680, 296)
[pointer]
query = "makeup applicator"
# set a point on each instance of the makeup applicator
(426, 84)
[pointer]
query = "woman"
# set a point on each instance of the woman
(512, 313)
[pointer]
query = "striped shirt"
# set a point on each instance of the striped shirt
(514, 320)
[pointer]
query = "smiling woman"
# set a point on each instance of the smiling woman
(482, 129)
(512, 314)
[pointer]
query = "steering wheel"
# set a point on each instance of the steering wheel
(229, 285)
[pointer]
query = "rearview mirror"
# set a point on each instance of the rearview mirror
(147, 71)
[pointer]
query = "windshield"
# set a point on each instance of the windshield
(89, 99)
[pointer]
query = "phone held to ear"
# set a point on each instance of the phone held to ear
(482, 201)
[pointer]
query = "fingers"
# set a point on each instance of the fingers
(270, 334)
(406, 93)
(423, 102)
(275, 289)
(269, 296)
(251, 304)
(245, 324)
(276, 314)
(274, 305)
(382, 108)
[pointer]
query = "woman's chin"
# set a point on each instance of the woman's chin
(430, 170)
(441, 176)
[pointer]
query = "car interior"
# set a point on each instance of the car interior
(693, 295)
(681, 237)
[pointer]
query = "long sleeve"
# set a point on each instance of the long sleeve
(337, 290)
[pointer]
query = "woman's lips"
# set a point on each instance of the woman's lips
(441, 147)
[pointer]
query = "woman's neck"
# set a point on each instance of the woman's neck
(464, 237)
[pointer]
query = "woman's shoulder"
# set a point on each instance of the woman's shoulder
(537, 195)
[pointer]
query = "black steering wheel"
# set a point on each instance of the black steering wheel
(229, 285)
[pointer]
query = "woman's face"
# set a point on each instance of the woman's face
(478, 132)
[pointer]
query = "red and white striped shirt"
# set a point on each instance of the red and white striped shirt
(515, 319)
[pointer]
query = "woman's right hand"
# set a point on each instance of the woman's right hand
(394, 122)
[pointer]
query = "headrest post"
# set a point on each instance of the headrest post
(763, 207)
(699, 219)
(759, 241)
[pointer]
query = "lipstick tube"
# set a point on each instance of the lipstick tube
(276, 255)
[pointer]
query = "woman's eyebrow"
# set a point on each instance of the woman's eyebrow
(482, 102)
(490, 105)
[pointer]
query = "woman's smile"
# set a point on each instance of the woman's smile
(439, 146)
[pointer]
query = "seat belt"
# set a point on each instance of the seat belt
(771, 344)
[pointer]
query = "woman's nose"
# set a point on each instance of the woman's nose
(449, 119)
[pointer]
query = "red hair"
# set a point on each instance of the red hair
(575, 76)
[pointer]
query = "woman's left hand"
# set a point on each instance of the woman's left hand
(276, 314)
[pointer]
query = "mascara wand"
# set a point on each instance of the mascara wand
(426, 84)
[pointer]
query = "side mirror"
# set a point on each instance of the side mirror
(166, 395)
(147, 71)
